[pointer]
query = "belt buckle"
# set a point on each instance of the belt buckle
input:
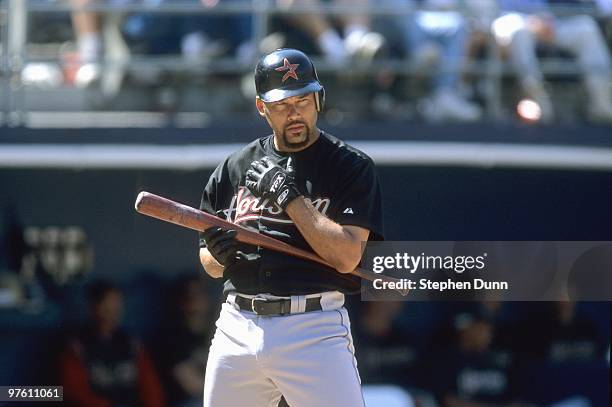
(257, 304)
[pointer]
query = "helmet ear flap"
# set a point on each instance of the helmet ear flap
(320, 99)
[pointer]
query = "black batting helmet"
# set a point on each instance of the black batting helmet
(287, 72)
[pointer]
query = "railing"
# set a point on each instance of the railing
(14, 19)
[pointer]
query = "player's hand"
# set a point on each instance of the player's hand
(222, 244)
(268, 180)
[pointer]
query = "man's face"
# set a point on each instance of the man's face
(477, 336)
(109, 310)
(293, 120)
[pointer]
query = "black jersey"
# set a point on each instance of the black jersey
(339, 180)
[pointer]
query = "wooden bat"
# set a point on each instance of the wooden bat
(183, 215)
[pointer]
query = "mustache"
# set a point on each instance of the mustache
(294, 123)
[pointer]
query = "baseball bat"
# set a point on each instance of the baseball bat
(183, 215)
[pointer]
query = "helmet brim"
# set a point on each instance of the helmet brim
(279, 94)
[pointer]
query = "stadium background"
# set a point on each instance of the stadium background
(73, 158)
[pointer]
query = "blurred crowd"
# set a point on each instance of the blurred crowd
(143, 339)
(486, 353)
(445, 49)
(102, 364)
(122, 352)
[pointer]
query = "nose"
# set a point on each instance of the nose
(293, 111)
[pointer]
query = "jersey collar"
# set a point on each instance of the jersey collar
(269, 149)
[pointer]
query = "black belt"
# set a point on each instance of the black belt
(264, 306)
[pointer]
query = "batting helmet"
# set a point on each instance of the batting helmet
(287, 72)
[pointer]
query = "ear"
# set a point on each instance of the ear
(261, 107)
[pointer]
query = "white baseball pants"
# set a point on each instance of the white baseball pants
(307, 357)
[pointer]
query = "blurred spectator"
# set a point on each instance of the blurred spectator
(470, 373)
(562, 335)
(197, 36)
(503, 316)
(385, 354)
(435, 39)
(102, 365)
(356, 41)
(90, 47)
(184, 341)
(98, 38)
(526, 23)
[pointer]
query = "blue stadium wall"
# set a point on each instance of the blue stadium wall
(420, 203)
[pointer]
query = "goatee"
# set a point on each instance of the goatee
(299, 144)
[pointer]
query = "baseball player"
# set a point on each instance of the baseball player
(283, 328)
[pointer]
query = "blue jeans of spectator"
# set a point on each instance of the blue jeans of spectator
(162, 34)
(446, 29)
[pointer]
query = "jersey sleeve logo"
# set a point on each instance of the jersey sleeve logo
(348, 210)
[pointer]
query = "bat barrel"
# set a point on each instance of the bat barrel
(165, 209)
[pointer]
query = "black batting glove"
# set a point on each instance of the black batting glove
(270, 181)
(222, 244)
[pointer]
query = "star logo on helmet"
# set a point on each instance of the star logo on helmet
(290, 68)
